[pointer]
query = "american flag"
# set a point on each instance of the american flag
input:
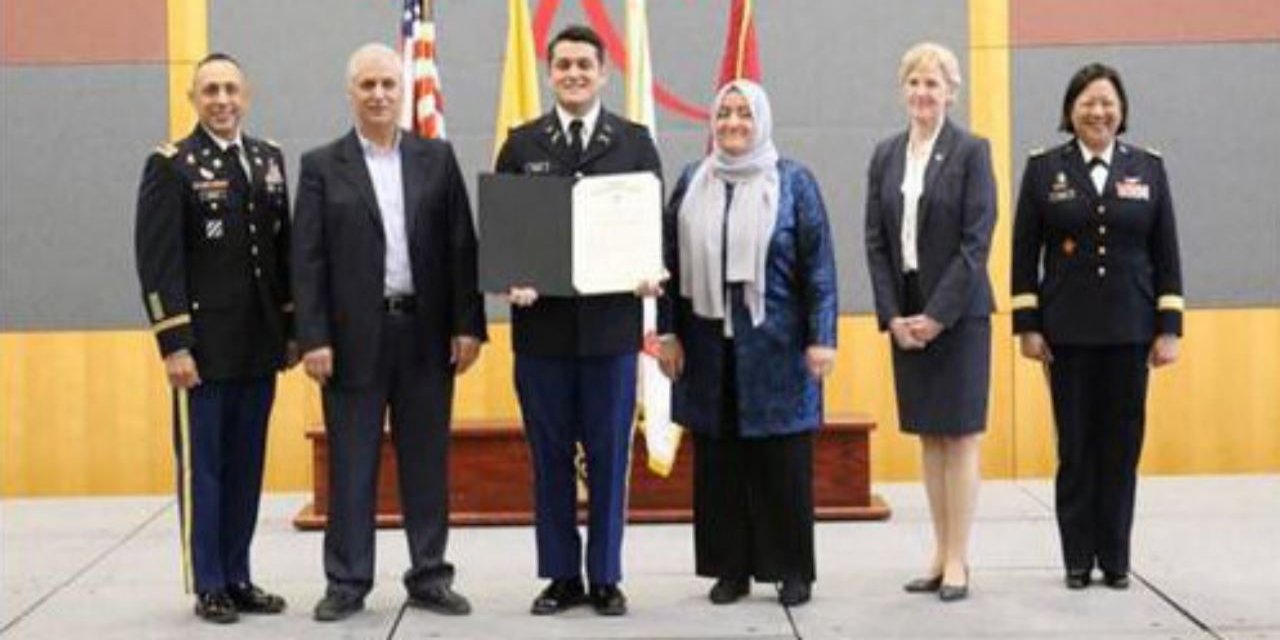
(424, 107)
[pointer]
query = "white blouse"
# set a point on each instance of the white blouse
(912, 187)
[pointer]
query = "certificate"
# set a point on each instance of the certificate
(617, 232)
(570, 236)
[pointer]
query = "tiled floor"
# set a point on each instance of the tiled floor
(1206, 565)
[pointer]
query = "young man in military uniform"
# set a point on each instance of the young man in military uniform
(575, 357)
(212, 240)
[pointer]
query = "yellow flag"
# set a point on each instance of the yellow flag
(519, 101)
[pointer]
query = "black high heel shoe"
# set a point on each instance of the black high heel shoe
(954, 592)
(924, 585)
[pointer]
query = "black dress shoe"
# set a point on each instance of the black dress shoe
(1078, 578)
(248, 598)
(558, 596)
(441, 599)
(607, 600)
(1118, 581)
(216, 607)
(924, 585)
(336, 606)
(729, 590)
(793, 593)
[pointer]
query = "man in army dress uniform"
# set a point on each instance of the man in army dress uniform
(212, 239)
(575, 357)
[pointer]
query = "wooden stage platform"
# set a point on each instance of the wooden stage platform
(490, 482)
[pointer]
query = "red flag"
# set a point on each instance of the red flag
(741, 58)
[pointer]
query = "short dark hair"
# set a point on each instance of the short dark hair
(218, 56)
(577, 33)
(1084, 77)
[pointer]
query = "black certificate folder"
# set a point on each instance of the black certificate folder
(526, 233)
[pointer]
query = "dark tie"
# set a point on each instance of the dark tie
(1098, 173)
(236, 167)
(575, 142)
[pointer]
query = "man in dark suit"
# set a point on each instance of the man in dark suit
(212, 242)
(576, 357)
(388, 313)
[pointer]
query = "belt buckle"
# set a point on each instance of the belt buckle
(398, 304)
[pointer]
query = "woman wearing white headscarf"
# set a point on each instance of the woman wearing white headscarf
(749, 331)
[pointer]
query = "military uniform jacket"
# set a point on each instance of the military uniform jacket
(589, 325)
(1090, 268)
(212, 254)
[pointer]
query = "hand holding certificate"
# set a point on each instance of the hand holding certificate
(571, 237)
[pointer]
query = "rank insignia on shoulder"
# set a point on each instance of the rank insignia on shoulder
(1154, 152)
(1037, 152)
(167, 149)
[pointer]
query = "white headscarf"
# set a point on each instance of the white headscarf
(752, 215)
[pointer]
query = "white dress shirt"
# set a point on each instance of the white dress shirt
(388, 184)
(912, 187)
(588, 121)
(239, 142)
(1098, 174)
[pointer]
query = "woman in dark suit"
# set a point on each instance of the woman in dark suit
(931, 208)
(749, 325)
(1097, 298)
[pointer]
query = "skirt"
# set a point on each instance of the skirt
(942, 389)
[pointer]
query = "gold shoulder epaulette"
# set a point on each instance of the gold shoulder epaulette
(271, 143)
(167, 149)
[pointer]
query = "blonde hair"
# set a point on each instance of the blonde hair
(931, 53)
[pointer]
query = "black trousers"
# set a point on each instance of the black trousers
(752, 500)
(419, 397)
(1099, 404)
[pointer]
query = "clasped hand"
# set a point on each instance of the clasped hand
(914, 332)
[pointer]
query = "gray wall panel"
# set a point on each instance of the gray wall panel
(834, 95)
(1213, 117)
(74, 143)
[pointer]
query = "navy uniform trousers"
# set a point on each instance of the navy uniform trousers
(1099, 396)
(220, 439)
(566, 400)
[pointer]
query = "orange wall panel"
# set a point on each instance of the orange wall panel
(1056, 22)
(82, 31)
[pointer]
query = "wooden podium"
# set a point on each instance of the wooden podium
(490, 482)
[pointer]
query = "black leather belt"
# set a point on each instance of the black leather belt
(399, 304)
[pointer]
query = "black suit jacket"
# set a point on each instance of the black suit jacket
(955, 218)
(212, 254)
(339, 254)
(1090, 268)
(589, 325)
